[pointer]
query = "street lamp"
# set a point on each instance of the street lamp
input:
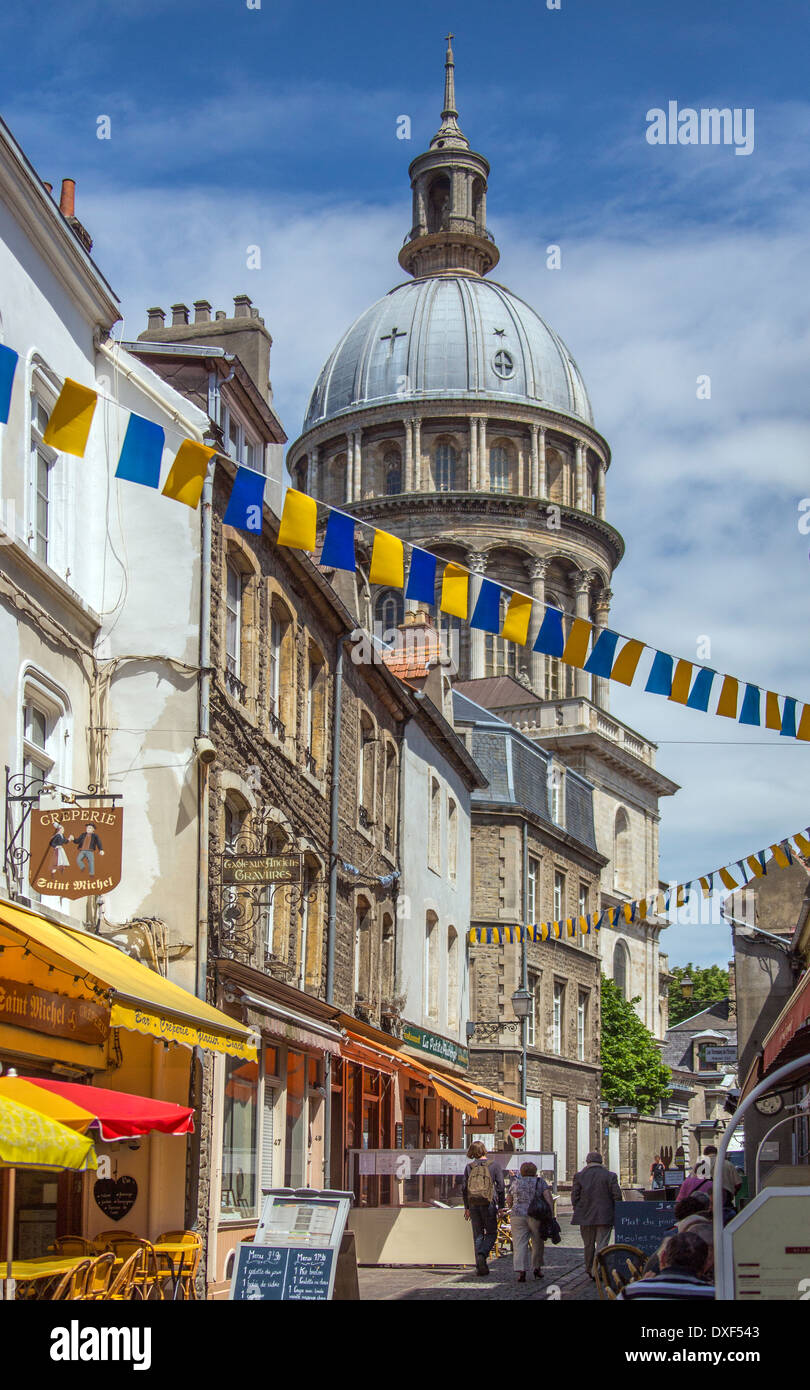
(687, 985)
(522, 1003)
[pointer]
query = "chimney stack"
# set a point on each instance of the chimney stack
(202, 311)
(241, 306)
(67, 201)
(156, 319)
(47, 186)
(179, 314)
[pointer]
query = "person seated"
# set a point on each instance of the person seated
(690, 1213)
(684, 1260)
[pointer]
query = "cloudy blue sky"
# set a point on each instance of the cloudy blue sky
(276, 127)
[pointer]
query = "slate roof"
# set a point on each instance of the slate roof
(677, 1051)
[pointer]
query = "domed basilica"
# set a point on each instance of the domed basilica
(453, 416)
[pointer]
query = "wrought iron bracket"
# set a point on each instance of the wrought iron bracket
(25, 792)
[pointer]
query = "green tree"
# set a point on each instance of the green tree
(632, 1070)
(710, 983)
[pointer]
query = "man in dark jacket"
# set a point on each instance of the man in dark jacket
(594, 1194)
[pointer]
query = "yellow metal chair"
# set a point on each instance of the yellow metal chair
(99, 1277)
(615, 1266)
(73, 1245)
(123, 1285)
(190, 1258)
(107, 1240)
(72, 1284)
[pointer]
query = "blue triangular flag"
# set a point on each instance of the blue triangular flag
(422, 577)
(245, 506)
(701, 690)
(600, 661)
(750, 713)
(660, 678)
(789, 718)
(8, 366)
(338, 545)
(141, 452)
(487, 611)
(550, 638)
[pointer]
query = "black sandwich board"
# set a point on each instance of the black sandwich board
(268, 1272)
(293, 1256)
(643, 1224)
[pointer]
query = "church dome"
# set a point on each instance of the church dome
(451, 337)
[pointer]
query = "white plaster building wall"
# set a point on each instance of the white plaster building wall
(429, 890)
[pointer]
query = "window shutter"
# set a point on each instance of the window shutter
(267, 1136)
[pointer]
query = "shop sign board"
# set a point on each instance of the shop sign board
(435, 1045)
(80, 1020)
(293, 1257)
(261, 868)
(75, 850)
(643, 1224)
(725, 1055)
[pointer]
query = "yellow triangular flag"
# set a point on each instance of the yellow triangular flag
(704, 883)
(544, 931)
(642, 909)
(71, 417)
(624, 667)
(661, 903)
(576, 648)
(773, 719)
(780, 856)
(755, 866)
(516, 622)
(680, 897)
(627, 911)
(569, 926)
(681, 682)
(187, 473)
(727, 704)
(299, 521)
(728, 879)
(455, 591)
(802, 844)
(387, 561)
(803, 730)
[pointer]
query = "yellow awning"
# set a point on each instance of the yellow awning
(448, 1088)
(493, 1101)
(140, 1000)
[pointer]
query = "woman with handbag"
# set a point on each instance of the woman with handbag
(528, 1196)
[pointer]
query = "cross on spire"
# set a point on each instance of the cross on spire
(449, 81)
(391, 337)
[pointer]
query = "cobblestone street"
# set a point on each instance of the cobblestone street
(565, 1278)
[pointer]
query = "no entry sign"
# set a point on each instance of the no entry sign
(517, 1131)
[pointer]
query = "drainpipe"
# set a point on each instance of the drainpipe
(334, 808)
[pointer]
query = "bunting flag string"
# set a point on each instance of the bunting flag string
(657, 901)
(425, 578)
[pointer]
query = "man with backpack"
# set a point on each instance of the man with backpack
(484, 1197)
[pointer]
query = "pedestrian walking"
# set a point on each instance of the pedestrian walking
(482, 1188)
(527, 1190)
(657, 1172)
(594, 1194)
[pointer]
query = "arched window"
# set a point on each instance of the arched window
(390, 612)
(315, 712)
(366, 770)
(392, 472)
(387, 959)
(452, 978)
(431, 970)
(500, 657)
(444, 467)
(621, 968)
(277, 909)
(233, 621)
(308, 944)
(337, 473)
(593, 477)
(622, 862)
(434, 825)
(556, 464)
(438, 210)
(553, 678)
(390, 799)
(281, 669)
(500, 469)
(362, 950)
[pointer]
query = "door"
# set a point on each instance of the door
(559, 1136)
(583, 1133)
(534, 1130)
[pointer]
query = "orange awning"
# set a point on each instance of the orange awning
(463, 1095)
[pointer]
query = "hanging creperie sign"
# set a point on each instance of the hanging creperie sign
(76, 850)
(261, 868)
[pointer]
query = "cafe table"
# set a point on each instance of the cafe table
(172, 1253)
(42, 1268)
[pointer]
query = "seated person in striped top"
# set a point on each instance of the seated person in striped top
(684, 1260)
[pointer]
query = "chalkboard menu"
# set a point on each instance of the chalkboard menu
(643, 1224)
(267, 1273)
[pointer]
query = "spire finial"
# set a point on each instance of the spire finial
(449, 81)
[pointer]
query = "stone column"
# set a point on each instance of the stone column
(473, 453)
(409, 455)
(418, 481)
(542, 473)
(537, 661)
(534, 458)
(313, 483)
(477, 562)
(600, 488)
(483, 457)
(579, 495)
(581, 678)
(349, 467)
(358, 466)
(601, 613)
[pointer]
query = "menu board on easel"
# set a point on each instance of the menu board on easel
(294, 1254)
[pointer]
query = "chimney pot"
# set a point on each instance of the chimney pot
(202, 311)
(254, 313)
(220, 315)
(241, 306)
(67, 201)
(156, 319)
(179, 314)
(47, 186)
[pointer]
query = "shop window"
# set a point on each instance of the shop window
(431, 966)
(452, 979)
(240, 1120)
(295, 1135)
(434, 825)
